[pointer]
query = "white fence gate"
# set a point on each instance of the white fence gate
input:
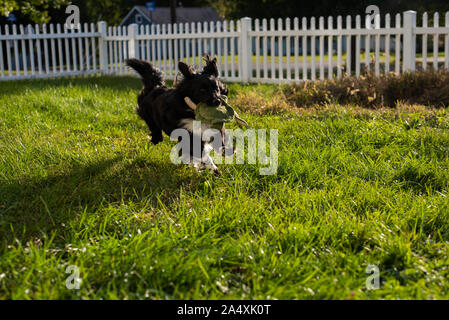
(247, 50)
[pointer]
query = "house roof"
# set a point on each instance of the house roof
(183, 14)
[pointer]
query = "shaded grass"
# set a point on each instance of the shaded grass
(81, 185)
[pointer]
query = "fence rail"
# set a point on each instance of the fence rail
(267, 51)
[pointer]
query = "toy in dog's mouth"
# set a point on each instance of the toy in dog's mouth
(216, 117)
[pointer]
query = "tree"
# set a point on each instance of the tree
(113, 11)
(234, 9)
(173, 11)
(34, 10)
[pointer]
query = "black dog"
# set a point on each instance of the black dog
(164, 109)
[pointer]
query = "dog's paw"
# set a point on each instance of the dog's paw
(156, 140)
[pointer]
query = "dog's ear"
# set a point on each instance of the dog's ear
(210, 68)
(186, 70)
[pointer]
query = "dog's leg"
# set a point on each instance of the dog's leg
(156, 136)
(209, 164)
(202, 160)
(226, 149)
(156, 132)
(207, 161)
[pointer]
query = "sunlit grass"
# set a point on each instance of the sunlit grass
(81, 185)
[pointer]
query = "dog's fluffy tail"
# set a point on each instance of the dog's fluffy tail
(151, 77)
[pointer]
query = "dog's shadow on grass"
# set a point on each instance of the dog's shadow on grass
(31, 207)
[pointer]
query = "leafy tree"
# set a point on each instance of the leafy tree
(34, 10)
(113, 11)
(235, 9)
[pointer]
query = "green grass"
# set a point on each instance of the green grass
(81, 185)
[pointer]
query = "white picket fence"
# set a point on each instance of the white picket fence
(247, 50)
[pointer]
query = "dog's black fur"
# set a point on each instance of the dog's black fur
(163, 108)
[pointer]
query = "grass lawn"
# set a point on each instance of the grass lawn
(81, 185)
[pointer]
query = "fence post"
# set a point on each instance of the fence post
(246, 54)
(446, 43)
(133, 48)
(409, 48)
(102, 48)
